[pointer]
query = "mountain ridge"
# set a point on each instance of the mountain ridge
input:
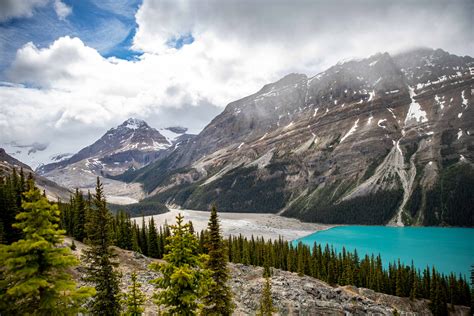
(128, 146)
(53, 191)
(380, 132)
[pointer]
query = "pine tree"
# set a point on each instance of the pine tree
(266, 301)
(134, 298)
(34, 269)
(100, 258)
(219, 299)
(185, 280)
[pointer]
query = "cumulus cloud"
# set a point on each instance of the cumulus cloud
(62, 9)
(238, 47)
(10, 9)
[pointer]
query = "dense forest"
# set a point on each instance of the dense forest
(319, 261)
(87, 219)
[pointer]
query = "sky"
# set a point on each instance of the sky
(72, 69)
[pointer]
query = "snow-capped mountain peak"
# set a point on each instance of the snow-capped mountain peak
(131, 144)
(134, 124)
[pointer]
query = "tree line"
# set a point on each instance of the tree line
(321, 262)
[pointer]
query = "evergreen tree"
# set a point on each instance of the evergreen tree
(134, 298)
(219, 299)
(266, 301)
(144, 238)
(34, 279)
(185, 280)
(153, 247)
(100, 258)
(79, 209)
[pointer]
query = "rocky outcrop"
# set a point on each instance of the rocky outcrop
(349, 145)
(291, 294)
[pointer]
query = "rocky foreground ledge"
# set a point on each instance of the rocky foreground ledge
(292, 294)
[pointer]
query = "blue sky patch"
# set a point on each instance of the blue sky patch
(106, 25)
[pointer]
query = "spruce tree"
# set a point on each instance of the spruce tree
(34, 279)
(144, 238)
(266, 301)
(153, 248)
(100, 257)
(185, 280)
(134, 298)
(219, 299)
(79, 213)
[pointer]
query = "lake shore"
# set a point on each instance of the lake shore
(269, 226)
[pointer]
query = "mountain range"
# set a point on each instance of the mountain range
(127, 147)
(381, 140)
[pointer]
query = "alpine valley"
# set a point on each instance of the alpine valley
(382, 140)
(129, 146)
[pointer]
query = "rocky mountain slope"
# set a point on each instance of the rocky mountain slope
(129, 146)
(386, 139)
(53, 190)
(292, 294)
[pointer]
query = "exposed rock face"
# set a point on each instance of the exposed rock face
(364, 132)
(292, 294)
(53, 190)
(129, 146)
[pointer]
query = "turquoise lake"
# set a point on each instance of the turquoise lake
(448, 249)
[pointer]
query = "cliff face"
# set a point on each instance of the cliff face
(367, 141)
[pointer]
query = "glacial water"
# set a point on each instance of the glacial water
(448, 249)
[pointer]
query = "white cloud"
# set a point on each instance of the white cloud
(62, 9)
(10, 9)
(239, 46)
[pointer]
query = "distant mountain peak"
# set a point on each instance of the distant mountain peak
(134, 123)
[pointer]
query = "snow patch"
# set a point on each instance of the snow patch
(380, 122)
(371, 95)
(393, 114)
(133, 123)
(415, 112)
(241, 144)
(370, 119)
(350, 132)
(459, 115)
(438, 101)
(169, 135)
(459, 133)
(464, 100)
